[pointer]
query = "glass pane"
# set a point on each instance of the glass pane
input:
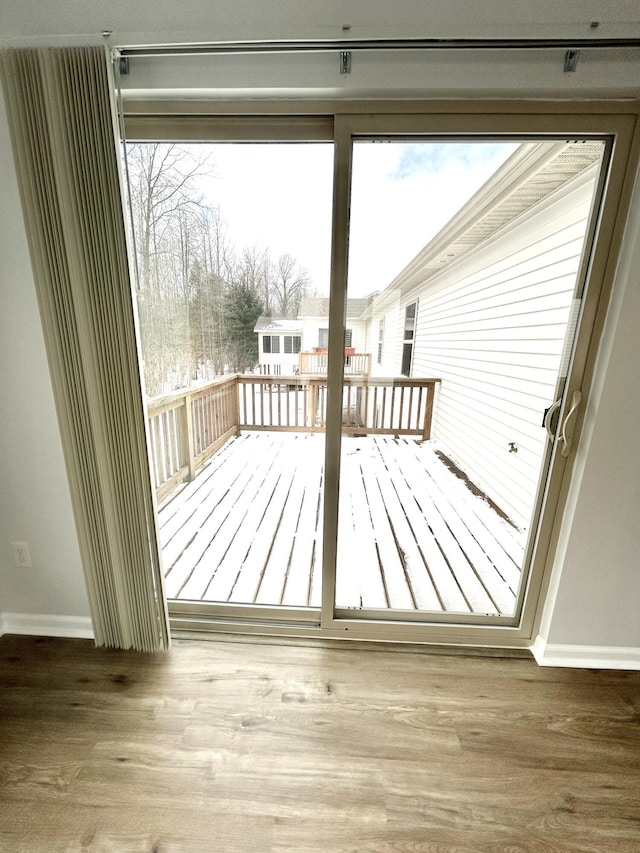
(463, 273)
(231, 241)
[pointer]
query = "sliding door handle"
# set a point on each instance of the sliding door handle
(564, 437)
(548, 416)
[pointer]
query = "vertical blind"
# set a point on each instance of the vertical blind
(60, 109)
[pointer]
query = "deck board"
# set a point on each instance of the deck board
(298, 586)
(446, 583)
(225, 532)
(464, 551)
(411, 535)
(258, 536)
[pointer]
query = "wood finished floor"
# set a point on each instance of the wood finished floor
(411, 534)
(250, 747)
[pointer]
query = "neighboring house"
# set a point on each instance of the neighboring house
(281, 339)
(314, 314)
(484, 307)
(279, 342)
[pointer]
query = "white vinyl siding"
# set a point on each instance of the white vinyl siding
(492, 328)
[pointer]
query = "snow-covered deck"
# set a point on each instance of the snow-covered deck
(412, 536)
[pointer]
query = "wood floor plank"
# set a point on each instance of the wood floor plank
(267, 747)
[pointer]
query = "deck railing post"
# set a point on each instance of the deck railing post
(187, 419)
(312, 400)
(428, 411)
(236, 407)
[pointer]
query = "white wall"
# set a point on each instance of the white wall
(287, 363)
(534, 74)
(311, 333)
(393, 311)
(34, 495)
(586, 608)
(592, 613)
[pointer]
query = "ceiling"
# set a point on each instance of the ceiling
(417, 74)
(162, 21)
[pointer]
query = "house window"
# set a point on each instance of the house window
(292, 343)
(271, 343)
(408, 337)
(323, 337)
(380, 339)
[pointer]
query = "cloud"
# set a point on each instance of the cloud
(433, 157)
(403, 193)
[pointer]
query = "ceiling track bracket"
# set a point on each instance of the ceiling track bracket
(571, 60)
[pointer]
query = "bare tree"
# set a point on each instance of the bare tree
(166, 210)
(289, 283)
(198, 297)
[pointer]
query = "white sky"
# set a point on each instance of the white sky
(403, 193)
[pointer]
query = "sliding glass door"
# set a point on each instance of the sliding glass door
(231, 240)
(468, 254)
(386, 321)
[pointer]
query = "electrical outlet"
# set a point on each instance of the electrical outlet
(21, 555)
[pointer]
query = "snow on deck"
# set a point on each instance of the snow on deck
(412, 536)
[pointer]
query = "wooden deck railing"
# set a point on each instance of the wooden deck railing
(315, 363)
(188, 427)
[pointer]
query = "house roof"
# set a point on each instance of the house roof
(311, 306)
(278, 324)
(533, 172)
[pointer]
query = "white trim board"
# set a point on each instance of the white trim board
(44, 625)
(586, 657)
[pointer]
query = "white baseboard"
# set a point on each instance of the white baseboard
(586, 657)
(42, 625)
